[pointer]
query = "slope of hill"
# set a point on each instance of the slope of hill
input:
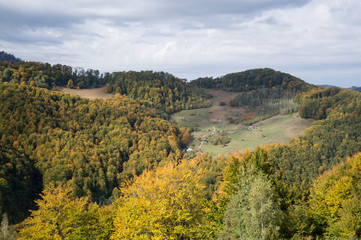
(9, 57)
(118, 162)
(253, 79)
(356, 88)
(329, 141)
(334, 205)
(93, 144)
(90, 93)
(162, 90)
(216, 122)
(45, 75)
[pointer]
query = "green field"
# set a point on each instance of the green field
(278, 129)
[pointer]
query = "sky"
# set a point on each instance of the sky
(318, 41)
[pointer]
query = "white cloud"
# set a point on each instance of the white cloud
(316, 40)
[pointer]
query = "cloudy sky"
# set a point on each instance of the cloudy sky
(316, 40)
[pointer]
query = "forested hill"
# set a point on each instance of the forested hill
(94, 145)
(9, 57)
(162, 90)
(356, 89)
(252, 80)
(330, 140)
(45, 75)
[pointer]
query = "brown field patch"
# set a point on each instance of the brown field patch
(220, 114)
(91, 93)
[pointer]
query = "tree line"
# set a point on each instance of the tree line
(45, 75)
(253, 79)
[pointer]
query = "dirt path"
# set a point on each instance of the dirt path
(214, 130)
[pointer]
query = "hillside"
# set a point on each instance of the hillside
(9, 57)
(45, 75)
(161, 90)
(117, 168)
(356, 89)
(253, 79)
(218, 122)
(94, 145)
(90, 93)
(329, 141)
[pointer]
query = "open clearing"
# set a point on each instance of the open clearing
(212, 122)
(216, 114)
(91, 93)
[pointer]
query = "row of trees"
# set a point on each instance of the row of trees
(169, 202)
(262, 96)
(45, 75)
(4, 56)
(161, 90)
(253, 79)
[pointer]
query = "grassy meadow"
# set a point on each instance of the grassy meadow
(277, 129)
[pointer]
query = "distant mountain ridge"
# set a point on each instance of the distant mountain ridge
(356, 88)
(327, 86)
(4, 56)
(253, 79)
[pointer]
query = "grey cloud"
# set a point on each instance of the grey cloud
(230, 7)
(186, 37)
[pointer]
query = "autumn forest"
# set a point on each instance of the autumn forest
(118, 168)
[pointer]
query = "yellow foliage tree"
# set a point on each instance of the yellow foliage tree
(61, 215)
(335, 201)
(168, 203)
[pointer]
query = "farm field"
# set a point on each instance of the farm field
(210, 124)
(91, 93)
(278, 129)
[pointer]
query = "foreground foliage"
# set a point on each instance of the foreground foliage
(168, 203)
(249, 199)
(335, 201)
(62, 215)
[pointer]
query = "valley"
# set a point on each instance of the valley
(209, 123)
(160, 157)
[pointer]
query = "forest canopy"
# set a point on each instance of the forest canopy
(74, 168)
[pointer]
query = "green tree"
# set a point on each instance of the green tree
(6, 231)
(253, 212)
(40, 82)
(334, 205)
(7, 75)
(108, 88)
(70, 84)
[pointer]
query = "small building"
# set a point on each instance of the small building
(189, 149)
